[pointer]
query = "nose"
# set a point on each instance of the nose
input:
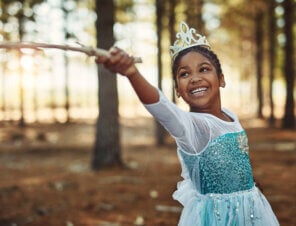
(195, 79)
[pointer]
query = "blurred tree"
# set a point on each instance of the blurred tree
(259, 19)
(271, 55)
(4, 61)
(107, 150)
(70, 11)
(172, 33)
(4, 35)
(263, 11)
(23, 12)
(246, 21)
(3, 78)
(289, 63)
(194, 14)
(255, 12)
(124, 11)
(66, 9)
(160, 131)
(35, 90)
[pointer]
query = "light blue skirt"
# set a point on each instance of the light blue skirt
(243, 208)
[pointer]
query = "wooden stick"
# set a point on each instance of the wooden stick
(84, 49)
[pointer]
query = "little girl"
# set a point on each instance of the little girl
(218, 186)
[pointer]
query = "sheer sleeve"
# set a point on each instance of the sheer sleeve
(167, 114)
(190, 131)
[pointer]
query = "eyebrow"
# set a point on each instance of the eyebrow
(198, 65)
(201, 64)
(180, 68)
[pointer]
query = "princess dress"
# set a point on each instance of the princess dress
(218, 187)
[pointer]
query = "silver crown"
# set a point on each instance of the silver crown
(186, 38)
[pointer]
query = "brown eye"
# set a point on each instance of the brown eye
(183, 74)
(204, 69)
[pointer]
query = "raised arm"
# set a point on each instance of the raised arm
(120, 62)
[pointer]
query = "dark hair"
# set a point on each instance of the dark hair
(203, 51)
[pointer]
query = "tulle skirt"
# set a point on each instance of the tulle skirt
(243, 208)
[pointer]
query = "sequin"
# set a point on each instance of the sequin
(223, 167)
(242, 140)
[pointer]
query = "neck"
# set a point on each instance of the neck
(217, 113)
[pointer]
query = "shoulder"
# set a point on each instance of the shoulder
(217, 126)
(231, 114)
(165, 107)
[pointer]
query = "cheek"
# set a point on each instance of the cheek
(180, 85)
(175, 83)
(214, 80)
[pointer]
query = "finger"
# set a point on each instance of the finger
(124, 62)
(117, 59)
(101, 59)
(114, 50)
(127, 61)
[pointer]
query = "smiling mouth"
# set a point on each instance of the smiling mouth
(199, 91)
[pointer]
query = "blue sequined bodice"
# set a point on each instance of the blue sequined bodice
(223, 167)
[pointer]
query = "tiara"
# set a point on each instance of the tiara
(186, 38)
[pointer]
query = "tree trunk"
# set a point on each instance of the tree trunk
(107, 150)
(160, 131)
(259, 61)
(3, 83)
(66, 88)
(289, 117)
(66, 63)
(194, 15)
(172, 21)
(21, 73)
(272, 47)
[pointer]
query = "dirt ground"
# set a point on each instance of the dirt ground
(46, 178)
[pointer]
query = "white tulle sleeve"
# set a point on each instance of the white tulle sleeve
(190, 130)
(167, 114)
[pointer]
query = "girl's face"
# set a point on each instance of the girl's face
(198, 83)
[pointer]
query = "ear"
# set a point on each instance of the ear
(222, 82)
(177, 92)
(176, 88)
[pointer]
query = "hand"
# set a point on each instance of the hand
(118, 61)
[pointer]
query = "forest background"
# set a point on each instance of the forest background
(255, 41)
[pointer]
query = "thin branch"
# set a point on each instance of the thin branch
(96, 52)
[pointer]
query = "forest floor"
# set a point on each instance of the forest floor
(46, 178)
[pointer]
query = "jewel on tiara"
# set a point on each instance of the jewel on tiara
(186, 38)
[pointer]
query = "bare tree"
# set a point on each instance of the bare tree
(160, 131)
(289, 117)
(66, 61)
(271, 55)
(194, 13)
(22, 16)
(172, 21)
(107, 149)
(259, 59)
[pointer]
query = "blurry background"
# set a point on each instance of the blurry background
(249, 37)
(63, 118)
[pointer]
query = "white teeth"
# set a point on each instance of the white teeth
(198, 90)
